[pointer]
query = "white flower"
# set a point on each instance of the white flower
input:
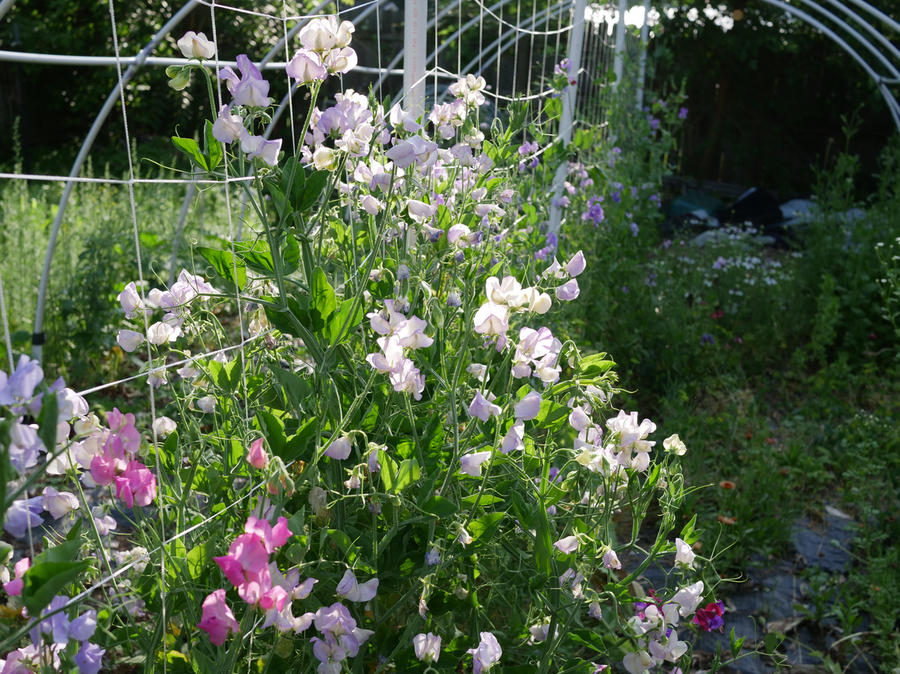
(207, 404)
(227, 127)
(59, 503)
(491, 319)
(164, 427)
(130, 301)
(196, 46)
(306, 67)
(162, 332)
(371, 205)
(684, 554)
(470, 464)
(567, 545)
(324, 159)
(674, 444)
(427, 647)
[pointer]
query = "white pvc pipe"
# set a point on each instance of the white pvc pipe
(870, 29)
(570, 97)
(889, 98)
(642, 62)
(5, 6)
(37, 339)
(415, 32)
(619, 60)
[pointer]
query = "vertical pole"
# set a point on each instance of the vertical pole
(645, 38)
(414, 43)
(567, 117)
(619, 60)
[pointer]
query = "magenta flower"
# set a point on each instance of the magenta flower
(136, 485)
(710, 617)
(14, 587)
(217, 619)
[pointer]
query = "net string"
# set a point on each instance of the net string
(137, 247)
(518, 28)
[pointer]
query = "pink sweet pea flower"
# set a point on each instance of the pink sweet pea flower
(217, 619)
(256, 456)
(136, 485)
(14, 587)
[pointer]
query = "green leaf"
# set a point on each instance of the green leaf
(256, 256)
(48, 421)
(213, 146)
(343, 542)
(197, 559)
(45, 580)
(273, 428)
(190, 147)
(397, 477)
(439, 506)
(226, 375)
(595, 365)
(225, 265)
(323, 298)
(298, 444)
(735, 644)
(313, 189)
(485, 525)
(343, 318)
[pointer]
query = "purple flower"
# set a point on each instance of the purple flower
(487, 654)
(654, 123)
(22, 515)
(89, 658)
(18, 388)
(634, 228)
(568, 291)
(433, 557)
(483, 408)
(707, 338)
(682, 113)
(594, 211)
(720, 263)
(567, 545)
(249, 89)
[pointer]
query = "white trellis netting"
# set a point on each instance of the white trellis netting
(513, 44)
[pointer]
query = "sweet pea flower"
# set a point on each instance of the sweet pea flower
(576, 265)
(339, 449)
(637, 663)
(22, 515)
(207, 404)
(217, 619)
(567, 545)
(514, 438)
(89, 657)
(326, 33)
(371, 205)
(351, 590)
(58, 503)
(688, 598)
(228, 127)
(482, 407)
(130, 301)
(683, 553)
(341, 60)
(579, 419)
(306, 67)
(675, 445)
(129, 340)
(14, 587)
(249, 89)
(258, 146)
(491, 319)
(487, 654)
(164, 427)
(136, 485)
(419, 210)
(427, 647)
(611, 559)
(568, 291)
(196, 46)
(324, 159)
(470, 464)
(256, 455)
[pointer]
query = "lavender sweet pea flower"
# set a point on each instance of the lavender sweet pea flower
(18, 388)
(227, 127)
(568, 291)
(306, 67)
(487, 654)
(89, 658)
(567, 545)
(528, 407)
(483, 408)
(576, 265)
(22, 515)
(250, 89)
(470, 464)
(257, 146)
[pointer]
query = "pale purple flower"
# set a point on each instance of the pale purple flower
(470, 464)
(682, 113)
(130, 301)
(249, 89)
(486, 654)
(306, 67)
(568, 291)
(228, 127)
(482, 407)
(567, 545)
(576, 265)
(339, 449)
(58, 503)
(427, 647)
(514, 438)
(351, 590)
(258, 146)
(579, 419)
(129, 340)
(23, 515)
(611, 559)
(433, 557)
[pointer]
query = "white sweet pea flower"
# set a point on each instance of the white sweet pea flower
(129, 340)
(58, 503)
(324, 159)
(675, 445)
(683, 553)
(196, 46)
(164, 427)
